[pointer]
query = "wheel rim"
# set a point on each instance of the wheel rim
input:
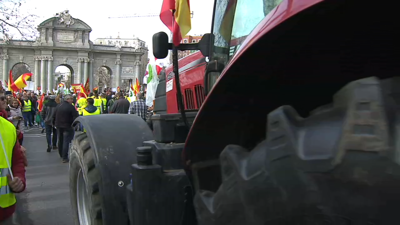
(82, 200)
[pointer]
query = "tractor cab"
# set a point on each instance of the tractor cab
(196, 74)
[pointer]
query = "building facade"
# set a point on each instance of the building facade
(65, 41)
(133, 42)
(186, 40)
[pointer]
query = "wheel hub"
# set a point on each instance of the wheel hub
(82, 200)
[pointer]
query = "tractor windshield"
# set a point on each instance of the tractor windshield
(234, 20)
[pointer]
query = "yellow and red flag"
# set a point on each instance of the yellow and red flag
(20, 83)
(136, 88)
(61, 85)
(40, 103)
(178, 23)
(87, 86)
(78, 88)
(118, 89)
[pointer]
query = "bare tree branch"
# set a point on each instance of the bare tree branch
(14, 22)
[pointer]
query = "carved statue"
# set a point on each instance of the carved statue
(103, 76)
(65, 18)
(125, 84)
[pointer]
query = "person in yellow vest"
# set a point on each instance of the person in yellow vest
(26, 111)
(104, 101)
(81, 103)
(90, 109)
(10, 158)
(98, 103)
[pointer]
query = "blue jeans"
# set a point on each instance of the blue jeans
(65, 136)
(50, 129)
(27, 118)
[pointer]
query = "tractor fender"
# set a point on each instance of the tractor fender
(114, 139)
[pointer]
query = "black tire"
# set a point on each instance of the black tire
(82, 160)
(338, 166)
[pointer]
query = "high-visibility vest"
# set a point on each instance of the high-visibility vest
(27, 106)
(97, 103)
(9, 135)
(86, 113)
(104, 103)
(82, 103)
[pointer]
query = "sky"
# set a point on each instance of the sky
(96, 13)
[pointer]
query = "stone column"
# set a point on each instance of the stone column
(91, 75)
(43, 75)
(118, 63)
(36, 75)
(79, 61)
(137, 64)
(50, 76)
(5, 68)
(85, 69)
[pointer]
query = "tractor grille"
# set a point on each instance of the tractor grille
(199, 90)
(189, 97)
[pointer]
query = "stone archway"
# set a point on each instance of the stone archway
(63, 42)
(64, 73)
(103, 78)
(20, 68)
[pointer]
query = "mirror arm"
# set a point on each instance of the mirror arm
(178, 86)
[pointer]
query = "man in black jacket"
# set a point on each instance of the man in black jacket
(47, 114)
(63, 118)
(120, 106)
(34, 110)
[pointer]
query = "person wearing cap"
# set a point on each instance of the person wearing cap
(63, 118)
(47, 114)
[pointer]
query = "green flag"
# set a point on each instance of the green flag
(150, 68)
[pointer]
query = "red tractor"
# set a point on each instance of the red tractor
(297, 123)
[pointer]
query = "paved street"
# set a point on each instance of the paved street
(46, 198)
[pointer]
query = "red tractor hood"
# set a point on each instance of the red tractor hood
(200, 145)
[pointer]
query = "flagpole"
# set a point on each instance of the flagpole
(6, 157)
(177, 80)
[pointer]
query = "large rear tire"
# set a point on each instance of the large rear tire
(340, 165)
(84, 183)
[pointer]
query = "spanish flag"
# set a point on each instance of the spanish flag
(20, 83)
(87, 86)
(180, 23)
(78, 88)
(137, 87)
(40, 103)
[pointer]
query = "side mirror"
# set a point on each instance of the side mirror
(213, 71)
(160, 45)
(206, 43)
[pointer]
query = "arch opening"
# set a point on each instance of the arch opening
(63, 74)
(20, 68)
(102, 78)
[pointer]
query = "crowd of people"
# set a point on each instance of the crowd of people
(50, 113)
(53, 114)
